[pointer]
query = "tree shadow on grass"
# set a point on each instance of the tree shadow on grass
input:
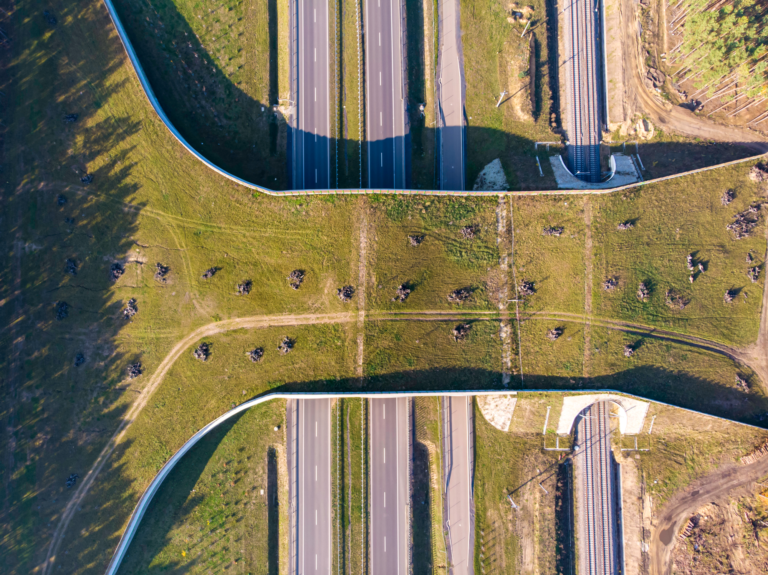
(174, 503)
(65, 186)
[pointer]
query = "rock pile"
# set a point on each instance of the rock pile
(86, 179)
(729, 295)
(71, 118)
(416, 240)
(72, 480)
(643, 293)
(72, 267)
(753, 274)
(209, 273)
(468, 232)
(628, 225)
(629, 350)
(79, 360)
(689, 259)
(286, 345)
(115, 271)
(62, 310)
(750, 259)
(161, 272)
(759, 173)
(130, 309)
(554, 333)
(610, 284)
(245, 287)
(461, 331)
(526, 288)
(742, 383)
(402, 293)
(296, 278)
(675, 301)
(345, 293)
(552, 231)
(727, 197)
(744, 222)
(459, 296)
(202, 352)
(134, 370)
(256, 355)
(61, 199)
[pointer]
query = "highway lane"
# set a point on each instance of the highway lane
(385, 93)
(451, 98)
(389, 495)
(583, 72)
(458, 473)
(598, 528)
(313, 550)
(311, 92)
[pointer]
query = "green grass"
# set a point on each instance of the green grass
(444, 262)
(352, 156)
(562, 358)
(222, 506)
(427, 490)
(671, 221)
(554, 264)
(217, 69)
(494, 54)
(151, 202)
(355, 484)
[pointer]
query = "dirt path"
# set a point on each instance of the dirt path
(505, 332)
(663, 114)
(260, 322)
(715, 486)
(154, 382)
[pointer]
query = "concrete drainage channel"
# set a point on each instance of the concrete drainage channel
(150, 94)
(154, 486)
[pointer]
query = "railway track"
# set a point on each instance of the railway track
(599, 547)
(583, 75)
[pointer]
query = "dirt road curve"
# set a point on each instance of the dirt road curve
(663, 114)
(715, 486)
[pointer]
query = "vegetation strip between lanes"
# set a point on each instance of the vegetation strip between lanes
(146, 86)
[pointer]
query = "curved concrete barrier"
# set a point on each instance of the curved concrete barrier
(154, 486)
(150, 94)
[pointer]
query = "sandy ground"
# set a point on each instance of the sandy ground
(497, 409)
(730, 480)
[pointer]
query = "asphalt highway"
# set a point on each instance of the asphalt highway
(389, 495)
(385, 92)
(598, 535)
(311, 162)
(458, 473)
(314, 487)
(583, 76)
(451, 98)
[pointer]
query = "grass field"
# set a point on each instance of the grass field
(150, 202)
(224, 506)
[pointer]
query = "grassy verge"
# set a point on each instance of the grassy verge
(221, 506)
(686, 446)
(215, 70)
(421, 16)
(352, 160)
(496, 59)
(670, 223)
(427, 495)
(355, 485)
(513, 465)
(444, 262)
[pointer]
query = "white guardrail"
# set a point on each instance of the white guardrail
(150, 94)
(154, 486)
